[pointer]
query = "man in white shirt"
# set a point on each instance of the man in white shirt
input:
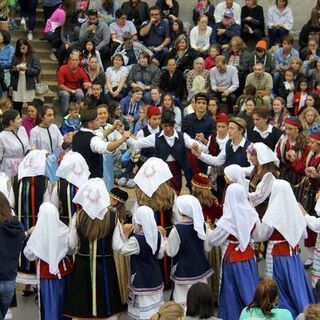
(227, 4)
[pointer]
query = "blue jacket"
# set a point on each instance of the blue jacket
(125, 105)
(6, 55)
(69, 124)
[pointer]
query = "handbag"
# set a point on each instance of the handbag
(41, 87)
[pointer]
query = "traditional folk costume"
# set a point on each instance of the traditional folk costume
(260, 186)
(122, 262)
(236, 174)
(48, 246)
(201, 185)
(239, 269)
(51, 140)
(6, 188)
(171, 149)
(293, 171)
(73, 172)
(14, 145)
(187, 244)
(149, 179)
(32, 185)
(314, 224)
(145, 247)
(283, 226)
(93, 290)
(215, 145)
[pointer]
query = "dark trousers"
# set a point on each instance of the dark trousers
(276, 34)
(17, 106)
(230, 100)
(28, 9)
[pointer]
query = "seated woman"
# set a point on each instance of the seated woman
(183, 53)
(116, 77)
(265, 303)
(107, 10)
(278, 113)
(279, 21)
(203, 7)
(252, 21)
(120, 26)
(168, 104)
(198, 70)
(200, 36)
(246, 114)
(177, 28)
(172, 80)
(144, 74)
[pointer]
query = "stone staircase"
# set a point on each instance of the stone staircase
(42, 49)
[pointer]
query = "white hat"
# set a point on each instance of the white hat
(33, 164)
(74, 169)
(94, 198)
(151, 175)
(190, 206)
(265, 154)
(49, 240)
(144, 216)
(236, 174)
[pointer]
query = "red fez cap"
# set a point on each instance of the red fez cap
(315, 136)
(201, 180)
(152, 111)
(293, 121)
(222, 117)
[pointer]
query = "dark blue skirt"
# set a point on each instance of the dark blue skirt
(238, 285)
(295, 292)
(52, 296)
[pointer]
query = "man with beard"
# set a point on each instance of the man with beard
(98, 32)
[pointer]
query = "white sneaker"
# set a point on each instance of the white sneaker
(130, 184)
(52, 56)
(23, 24)
(122, 182)
(30, 36)
(8, 315)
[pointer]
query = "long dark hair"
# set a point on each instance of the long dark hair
(5, 210)
(108, 5)
(265, 297)
(41, 113)
(200, 302)
(23, 42)
(8, 116)
(71, 21)
(85, 52)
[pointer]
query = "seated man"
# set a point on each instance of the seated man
(263, 83)
(155, 34)
(71, 79)
(98, 32)
(230, 5)
(225, 30)
(224, 81)
(96, 96)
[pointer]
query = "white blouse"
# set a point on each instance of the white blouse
(13, 148)
(49, 139)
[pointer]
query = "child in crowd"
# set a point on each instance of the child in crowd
(187, 244)
(300, 96)
(48, 245)
(156, 96)
(142, 121)
(71, 122)
(145, 247)
(210, 61)
(286, 89)
(88, 51)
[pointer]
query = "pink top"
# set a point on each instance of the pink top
(28, 124)
(56, 20)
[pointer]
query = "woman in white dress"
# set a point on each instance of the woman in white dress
(25, 68)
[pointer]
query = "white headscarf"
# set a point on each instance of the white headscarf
(239, 216)
(94, 198)
(144, 216)
(236, 174)
(74, 169)
(190, 206)
(265, 154)
(6, 188)
(284, 214)
(151, 175)
(317, 207)
(49, 239)
(33, 164)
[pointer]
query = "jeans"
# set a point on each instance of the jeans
(28, 9)
(66, 97)
(6, 293)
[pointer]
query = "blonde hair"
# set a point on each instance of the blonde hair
(312, 312)
(162, 199)
(241, 44)
(169, 311)
(95, 229)
(5, 104)
(199, 85)
(302, 116)
(297, 59)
